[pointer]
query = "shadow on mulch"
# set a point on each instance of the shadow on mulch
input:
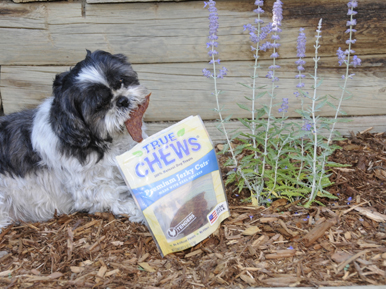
(341, 244)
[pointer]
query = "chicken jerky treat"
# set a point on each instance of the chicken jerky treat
(198, 206)
(175, 180)
(134, 123)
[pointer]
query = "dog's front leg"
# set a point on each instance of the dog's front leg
(107, 196)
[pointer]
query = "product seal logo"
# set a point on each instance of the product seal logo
(173, 232)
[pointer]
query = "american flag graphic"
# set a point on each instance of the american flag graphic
(213, 217)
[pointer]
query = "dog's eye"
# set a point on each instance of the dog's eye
(120, 83)
(101, 97)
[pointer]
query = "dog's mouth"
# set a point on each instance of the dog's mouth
(134, 123)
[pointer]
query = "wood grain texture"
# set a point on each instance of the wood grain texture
(166, 43)
(128, 1)
(26, 1)
(56, 33)
(102, 1)
(179, 89)
(357, 124)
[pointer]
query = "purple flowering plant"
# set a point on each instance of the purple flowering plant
(212, 44)
(287, 158)
(343, 58)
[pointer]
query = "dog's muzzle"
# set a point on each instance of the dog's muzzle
(123, 101)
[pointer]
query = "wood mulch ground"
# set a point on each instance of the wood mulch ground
(343, 243)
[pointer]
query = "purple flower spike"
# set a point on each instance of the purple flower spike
(341, 56)
(307, 125)
(351, 22)
(274, 67)
(350, 30)
(301, 52)
(222, 73)
(277, 17)
(213, 61)
(258, 11)
(352, 4)
(265, 46)
(352, 12)
(301, 47)
(206, 73)
(284, 106)
(351, 41)
(356, 61)
(213, 26)
(212, 52)
(270, 76)
(254, 35)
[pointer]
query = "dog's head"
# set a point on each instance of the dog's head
(93, 100)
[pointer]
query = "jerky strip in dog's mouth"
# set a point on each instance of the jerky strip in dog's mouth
(134, 123)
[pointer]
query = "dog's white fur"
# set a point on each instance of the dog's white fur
(64, 184)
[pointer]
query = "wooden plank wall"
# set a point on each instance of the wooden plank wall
(165, 41)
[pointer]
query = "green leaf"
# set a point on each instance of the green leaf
(242, 106)
(321, 104)
(331, 105)
(138, 153)
(227, 118)
(181, 132)
(319, 83)
(261, 94)
(245, 85)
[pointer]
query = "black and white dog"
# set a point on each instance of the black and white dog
(61, 156)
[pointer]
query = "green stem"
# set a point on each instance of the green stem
(329, 140)
(216, 92)
(315, 132)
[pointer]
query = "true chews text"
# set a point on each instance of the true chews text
(165, 151)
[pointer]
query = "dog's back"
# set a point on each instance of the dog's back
(17, 157)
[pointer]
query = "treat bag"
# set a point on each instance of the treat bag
(175, 180)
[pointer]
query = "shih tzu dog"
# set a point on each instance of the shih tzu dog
(60, 157)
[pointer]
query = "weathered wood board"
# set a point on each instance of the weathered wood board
(357, 124)
(124, 1)
(180, 90)
(166, 43)
(56, 33)
(101, 1)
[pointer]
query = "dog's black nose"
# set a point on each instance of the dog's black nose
(123, 101)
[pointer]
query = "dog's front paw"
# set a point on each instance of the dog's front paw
(130, 209)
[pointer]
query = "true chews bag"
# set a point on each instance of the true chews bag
(175, 180)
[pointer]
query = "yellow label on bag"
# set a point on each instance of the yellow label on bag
(175, 180)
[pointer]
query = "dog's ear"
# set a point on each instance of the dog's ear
(67, 120)
(59, 81)
(88, 53)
